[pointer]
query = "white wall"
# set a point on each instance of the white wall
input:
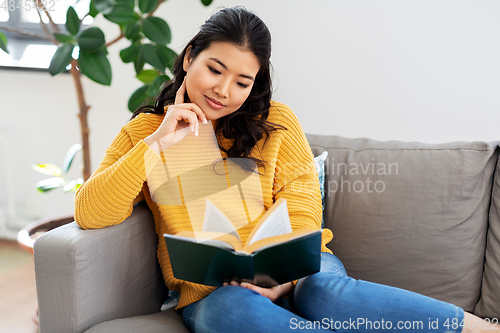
(414, 70)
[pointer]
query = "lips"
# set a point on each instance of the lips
(215, 104)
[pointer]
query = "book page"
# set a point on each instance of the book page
(223, 241)
(276, 222)
(273, 241)
(216, 221)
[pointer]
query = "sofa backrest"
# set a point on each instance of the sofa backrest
(409, 214)
(489, 303)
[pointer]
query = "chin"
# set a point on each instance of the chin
(214, 115)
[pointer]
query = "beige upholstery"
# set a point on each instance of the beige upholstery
(411, 215)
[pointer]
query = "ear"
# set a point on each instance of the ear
(187, 59)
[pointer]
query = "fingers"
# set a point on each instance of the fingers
(190, 113)
(189, 118)
(272, 293)
(179, 96)
(246, 285)
(181, 106)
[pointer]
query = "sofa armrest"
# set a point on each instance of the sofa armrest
(84, 277)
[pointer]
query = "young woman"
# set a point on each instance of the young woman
(223, 75)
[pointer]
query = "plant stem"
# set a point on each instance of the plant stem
(41, 6)
(47, 31)
(24, 32)
(116, 39)
(76, 74)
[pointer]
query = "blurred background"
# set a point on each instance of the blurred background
(414, 70)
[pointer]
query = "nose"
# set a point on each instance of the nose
(222, 88)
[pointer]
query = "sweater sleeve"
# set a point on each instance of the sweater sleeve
(296, 180)
(108, 196)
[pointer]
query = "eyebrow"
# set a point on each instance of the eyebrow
(225, 67)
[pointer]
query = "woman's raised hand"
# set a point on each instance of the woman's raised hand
(180, 119)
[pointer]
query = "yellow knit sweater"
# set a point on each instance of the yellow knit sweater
(107, 198)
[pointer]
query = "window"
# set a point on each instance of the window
(32, 53)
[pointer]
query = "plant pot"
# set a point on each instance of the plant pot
(27, 236)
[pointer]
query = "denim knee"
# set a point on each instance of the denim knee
(332, 264)
(225, 298)
(233, 309)
(220, 306)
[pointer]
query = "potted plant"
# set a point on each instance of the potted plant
(148, 36)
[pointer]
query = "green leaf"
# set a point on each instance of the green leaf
(122, 14)
(91, 40)
(3, 43)
(206, 2)
(137, 38)
(63, 38)
(139, 63)
(92, 10)
(147, 6)
(72, 21)
(70, 155)
(150, 55)
(155, 87)
(128, 3)
(47, 169)
(73, 185)
(157, 30)
(130, 53)
(167, 55)
(96, 66)
(137, 98)
(103, 6)
(50, 184)
(147, 76)
(132, 30)
(61, 59)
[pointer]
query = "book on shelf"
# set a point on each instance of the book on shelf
(273, 254)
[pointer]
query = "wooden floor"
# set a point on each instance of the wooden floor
(17, 289)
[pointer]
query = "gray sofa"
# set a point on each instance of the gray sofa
(424, 217)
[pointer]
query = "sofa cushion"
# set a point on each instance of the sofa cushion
(489, 304)
(319, 162)
(409, 214)
(160, 322)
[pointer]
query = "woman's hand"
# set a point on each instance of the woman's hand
(180, 119)
(273, 293)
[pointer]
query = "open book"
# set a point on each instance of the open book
(272, 254)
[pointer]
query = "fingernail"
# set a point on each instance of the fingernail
(244, 285)
(205, 121)
(234, 283)
(225, 284)
(196, 133)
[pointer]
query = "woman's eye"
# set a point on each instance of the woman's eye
(243, 85)
(213, 70)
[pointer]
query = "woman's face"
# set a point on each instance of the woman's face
(220, 78)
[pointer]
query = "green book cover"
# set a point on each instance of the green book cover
(206, 263)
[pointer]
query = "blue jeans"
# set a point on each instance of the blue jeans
(327, 300)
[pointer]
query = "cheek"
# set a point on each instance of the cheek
(241, 96)
(196, 80)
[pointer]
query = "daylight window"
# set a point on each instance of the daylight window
(30, 52)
